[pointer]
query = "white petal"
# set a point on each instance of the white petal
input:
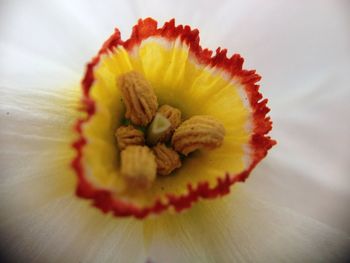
(239, 228)
(308, 169)
(35, 146)
(69, 231)
(65, 33)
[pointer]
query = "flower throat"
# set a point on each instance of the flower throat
(154, 139)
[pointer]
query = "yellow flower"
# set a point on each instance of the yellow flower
(42, 57)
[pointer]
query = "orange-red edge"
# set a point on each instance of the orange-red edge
(260, 143)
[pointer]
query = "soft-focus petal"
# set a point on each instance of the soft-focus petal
(240, 228)
(68, 231)
(309, 172)
(305, 69)
(34, 152)
(40, 28)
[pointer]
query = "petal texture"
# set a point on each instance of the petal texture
(240, 228)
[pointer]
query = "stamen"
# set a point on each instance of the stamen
(138, 166)
(198, 132)
(166, 158)
(128, 135)
(139, 98)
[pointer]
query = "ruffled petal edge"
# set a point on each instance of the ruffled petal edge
(260, 143)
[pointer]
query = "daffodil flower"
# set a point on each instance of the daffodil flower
(44, 108)
(186, 76)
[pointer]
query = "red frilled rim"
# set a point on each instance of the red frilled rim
(260, 143)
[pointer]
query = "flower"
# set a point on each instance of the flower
(188, 77)
(293, 206)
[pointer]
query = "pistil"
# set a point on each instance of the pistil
(158, 128)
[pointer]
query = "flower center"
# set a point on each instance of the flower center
(157, 153)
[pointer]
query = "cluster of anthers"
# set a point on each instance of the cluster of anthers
(152, 143)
